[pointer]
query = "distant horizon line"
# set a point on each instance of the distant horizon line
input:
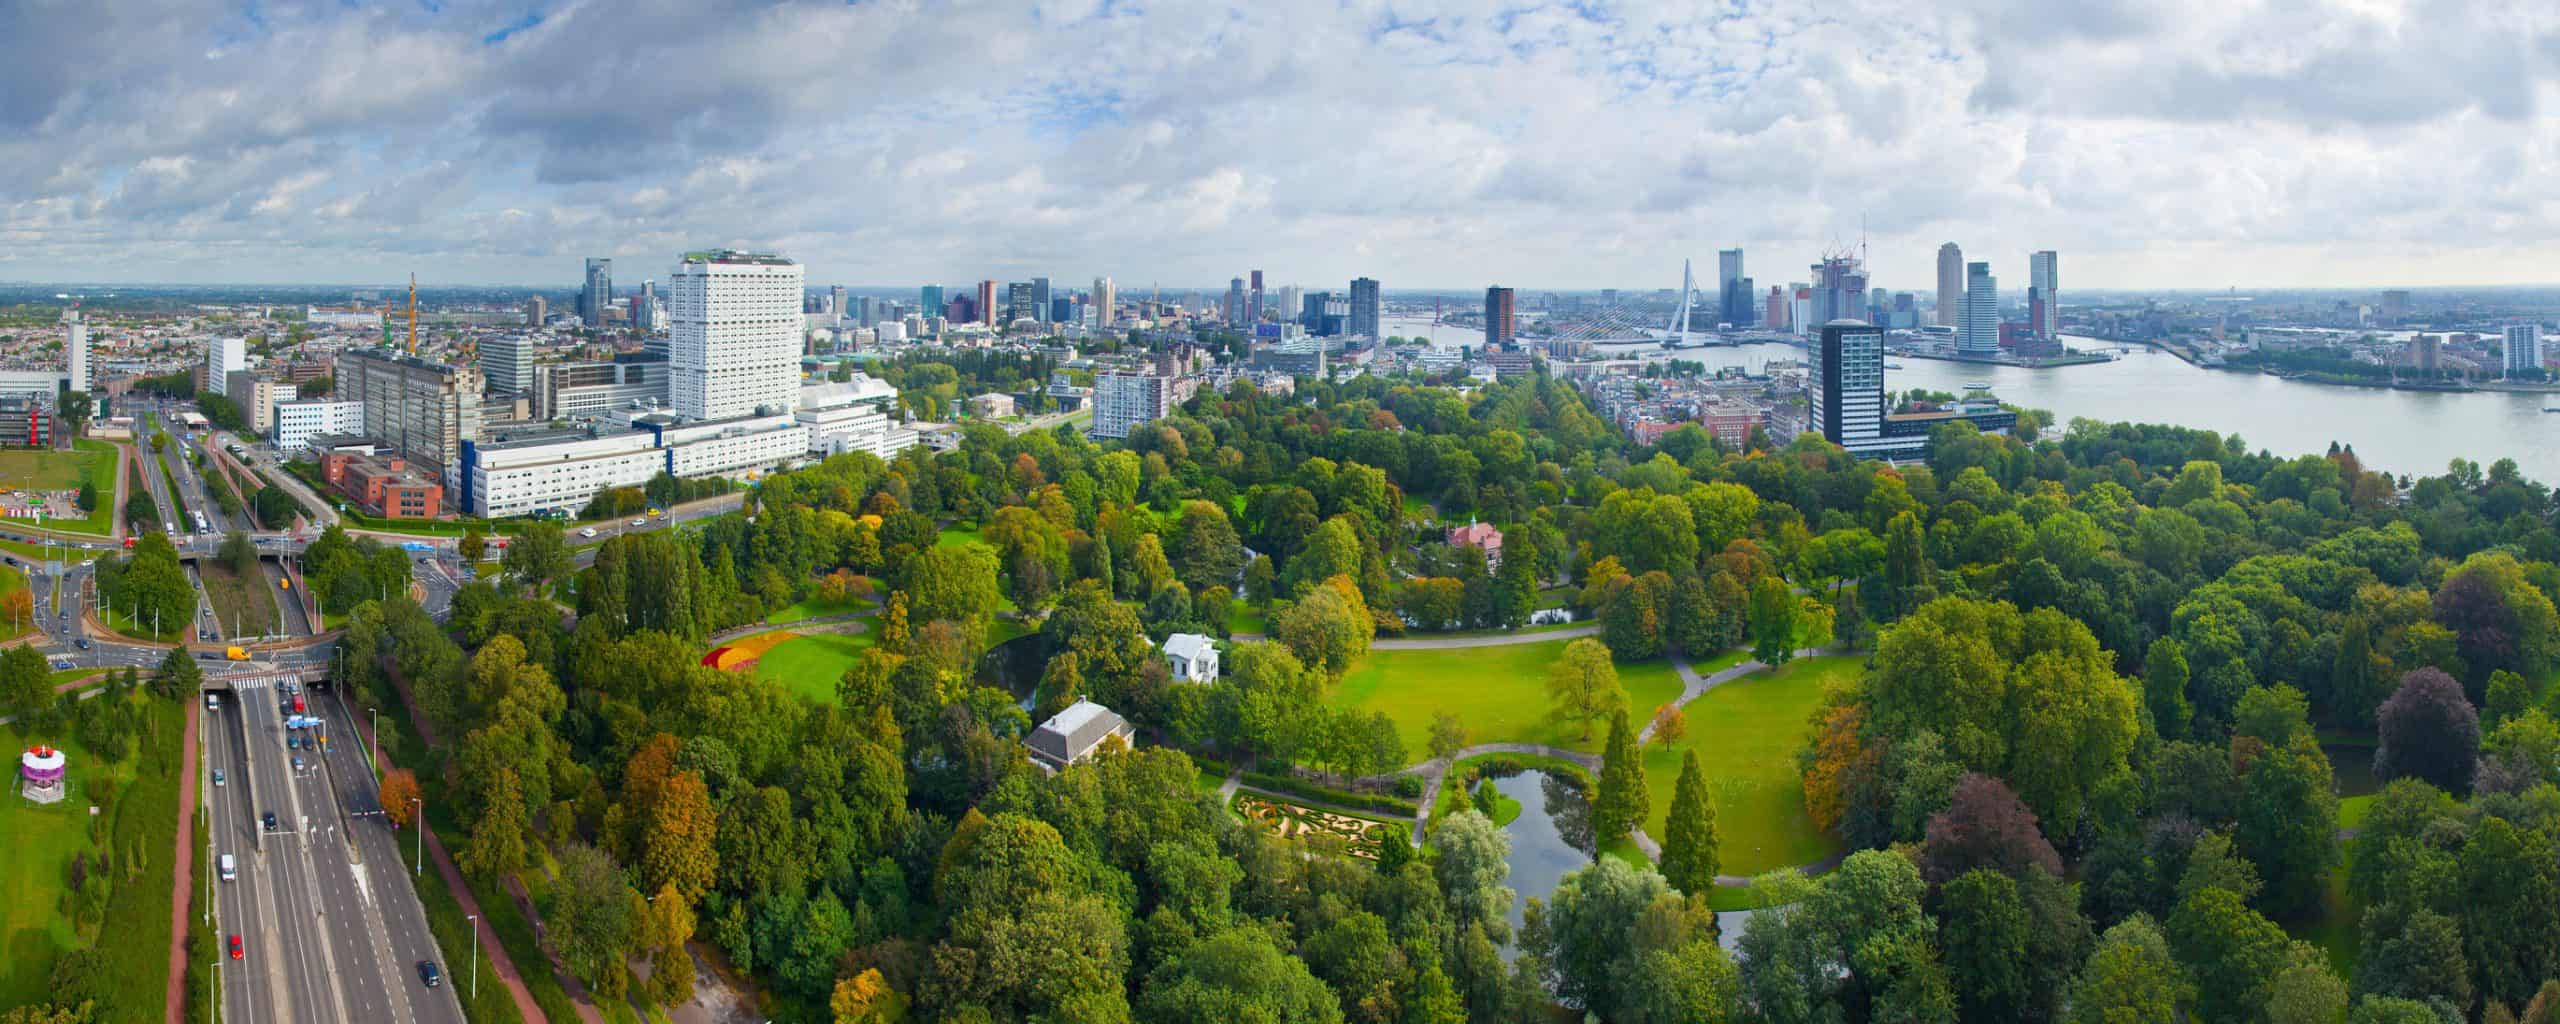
(1126, 290)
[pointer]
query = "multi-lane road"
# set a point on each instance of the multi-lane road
(330, 926)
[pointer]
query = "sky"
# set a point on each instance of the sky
(2154, 143)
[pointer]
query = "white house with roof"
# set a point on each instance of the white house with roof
(1192, 657)
(1074, 734)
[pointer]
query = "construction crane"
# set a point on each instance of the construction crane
(413, 314)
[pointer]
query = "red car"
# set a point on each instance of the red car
(235, 948)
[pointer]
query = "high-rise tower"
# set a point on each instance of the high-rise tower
(2044, 281)
(1979, 334)
(598, 293)
(1950, 285)
(734, 347)
(1500, 330)
(1364, 306)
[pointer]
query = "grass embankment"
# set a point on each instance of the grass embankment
(134, 831)
(813, 608)
(1746, 734)
(1498, 692)
(241, 602)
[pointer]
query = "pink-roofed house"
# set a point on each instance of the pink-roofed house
(1481, 536)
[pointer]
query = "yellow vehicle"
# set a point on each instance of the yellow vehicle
(655, 513)
(236, 653)
(285, 583)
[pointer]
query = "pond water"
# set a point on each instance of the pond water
(1549, 840)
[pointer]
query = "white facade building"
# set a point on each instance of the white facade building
(892, 332)
(506, 363)
(298, 422)
(221, 356)
(732, 447)
(2044, 275)
(853, 417)
(1123, 400)
(734, 347)
(1191, 657)
(513, 479)
(1979, 334)
(76, 351)
(2524, 348)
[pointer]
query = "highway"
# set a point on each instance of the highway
(331, 927)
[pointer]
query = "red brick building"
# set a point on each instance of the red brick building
(384, 485)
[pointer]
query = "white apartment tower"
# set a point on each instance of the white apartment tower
(1979, 334)
(1104, 301)
(221, 356)
(75, 349)
(1950, 285)
(735, 343)
(2524, 348)
(1121, 401)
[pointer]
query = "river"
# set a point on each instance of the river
(2407, 432)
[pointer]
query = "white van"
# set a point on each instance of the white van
(230, 869)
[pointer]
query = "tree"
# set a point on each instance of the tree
(682, 829)
(1984, 928)
(473, 545)
(1236, 975)
(2306, 992)
(1906, 561)
(538, 554)
(592, 923)
(1689, 841)
(1594, 936)
(1448, 735)
(1621, 803)
(954, 584)
(2131, 979)
(2429, 731)
(865, 998)
(1475, 861)
(1206, 545)
(501, 836)
(1583, 687)
(1985, 826)
(1329, 627)
(2164, 688)
(2288, 822)
(1775, 610)
(2232, 953)
(399, 788)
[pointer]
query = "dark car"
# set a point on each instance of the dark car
(82, 643)
(427, 972)
(270, 819)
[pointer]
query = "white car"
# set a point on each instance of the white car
(588, 532)
(639, 522)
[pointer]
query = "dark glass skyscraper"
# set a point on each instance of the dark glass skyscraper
(1500, 329)
(598, 292)
(1364, 306)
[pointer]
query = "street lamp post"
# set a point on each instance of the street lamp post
(377, 740)
(419, 822)
(475, 955)
(210, 970)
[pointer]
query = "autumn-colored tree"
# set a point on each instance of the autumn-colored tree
(1835, 755)
(399, 787)
(865, 998)
(1670, 724)
(681, 830)
(670, 925)
(893, 623)
(17, 607)
(626, 822)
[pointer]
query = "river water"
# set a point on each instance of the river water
(2408, 432)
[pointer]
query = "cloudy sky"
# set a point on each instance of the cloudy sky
(2156, 143)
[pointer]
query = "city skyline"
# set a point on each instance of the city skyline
(474, 142)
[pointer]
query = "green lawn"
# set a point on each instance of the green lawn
(2336, 928)
(2352, 809)
(1244, 619)
(48, 470)
(956, 536)
(810, 609)
(810, 665)
(1746, 733)
(41, 841)
(1500, 693)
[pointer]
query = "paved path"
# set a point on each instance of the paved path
(1227, 789)
(183, 884)
(1447, 643)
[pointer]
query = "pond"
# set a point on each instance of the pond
(1549, 840)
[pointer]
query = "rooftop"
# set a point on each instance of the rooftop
(736, 256)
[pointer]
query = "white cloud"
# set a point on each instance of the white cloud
(2194, 142)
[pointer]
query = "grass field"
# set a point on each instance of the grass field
(810, 665)
(48, 470)
(2336, 929)
(1244, 619)
(811, 609)
(1499, 692)
(41, 841)
(1746, 733)
(956, 536)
